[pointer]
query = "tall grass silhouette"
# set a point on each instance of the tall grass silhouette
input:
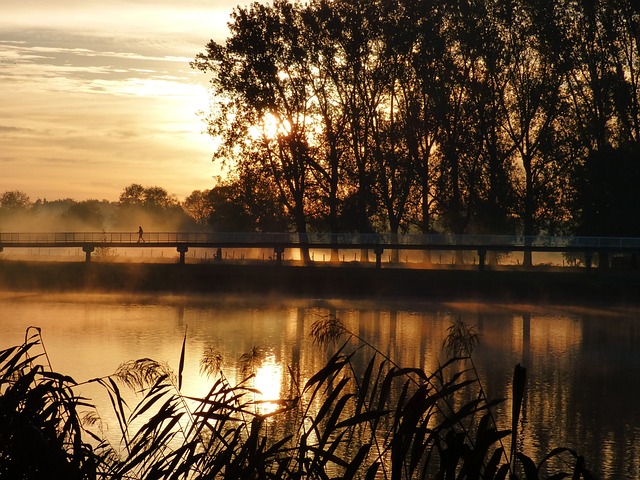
(360, 416)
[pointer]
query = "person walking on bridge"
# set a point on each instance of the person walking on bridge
(140, 233)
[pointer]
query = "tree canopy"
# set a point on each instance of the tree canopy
(480, 116)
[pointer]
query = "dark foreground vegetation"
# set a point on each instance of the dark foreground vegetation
(360, 416)
(507, 284)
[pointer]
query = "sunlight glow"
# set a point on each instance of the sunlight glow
(268, 380)
(269, 128)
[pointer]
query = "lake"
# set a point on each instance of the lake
(583, 364)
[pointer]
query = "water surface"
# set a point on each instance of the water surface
(583, 364)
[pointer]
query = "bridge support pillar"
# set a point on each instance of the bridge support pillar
(378, 251)
(87, 249)
(279, 251)
(182, 250)
(482, 256)
(588, 260)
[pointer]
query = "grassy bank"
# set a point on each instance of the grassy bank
(362, 282)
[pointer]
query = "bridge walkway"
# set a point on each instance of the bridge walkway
(279, 242)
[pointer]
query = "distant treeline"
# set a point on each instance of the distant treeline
(466, 116)
(150, 207)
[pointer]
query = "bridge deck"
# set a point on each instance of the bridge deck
(321, 241)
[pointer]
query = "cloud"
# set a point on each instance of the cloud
(190, 21)
(97, 95)
(11, 130)
(96, 71)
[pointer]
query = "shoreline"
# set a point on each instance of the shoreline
(612, 287)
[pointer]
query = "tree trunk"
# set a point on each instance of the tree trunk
(527, 260)
(394, 227)
(302, 235)
(425, 228)
(333, 199)
(603, 260)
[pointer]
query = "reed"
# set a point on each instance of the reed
(360, 416)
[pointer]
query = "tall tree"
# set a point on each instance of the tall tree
(260, 77)
(393, 166)
(197, 206)
(494, 196)
(420, 94)
(14, 199)
(533, 104)
(328, 165)
(626, 43)
(353, 69)
(458, 140)
(603, 87)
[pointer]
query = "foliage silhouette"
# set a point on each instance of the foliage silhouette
(360, 416)
(433, 116)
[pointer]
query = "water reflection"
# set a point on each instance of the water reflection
(583, 365)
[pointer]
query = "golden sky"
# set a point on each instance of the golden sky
(97, 95)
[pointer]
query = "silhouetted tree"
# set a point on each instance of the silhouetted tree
(245, 205)
(533, 103)
(603, 115)
(394, 164)
(626, 42)
(424, 46)
(330, 140)
(86, 215)
(198, 207)
(261, 73)
(442, 116)
(493, 196)
(152, 207)
(457, 140)
(608, 202)
(14, 199)
(132, 195)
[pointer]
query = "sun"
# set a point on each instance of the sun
(269, 128)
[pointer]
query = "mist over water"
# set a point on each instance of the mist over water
(582, 364)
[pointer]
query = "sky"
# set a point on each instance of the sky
(95, 96)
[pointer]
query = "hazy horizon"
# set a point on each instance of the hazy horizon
(98, 96)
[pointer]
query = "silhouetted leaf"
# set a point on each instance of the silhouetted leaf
(530, 469)
(182, 354)
(352, 468)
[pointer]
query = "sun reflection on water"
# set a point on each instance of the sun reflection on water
(267, 381)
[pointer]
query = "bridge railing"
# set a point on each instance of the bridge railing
(343, 240)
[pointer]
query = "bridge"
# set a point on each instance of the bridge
(279, 242)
